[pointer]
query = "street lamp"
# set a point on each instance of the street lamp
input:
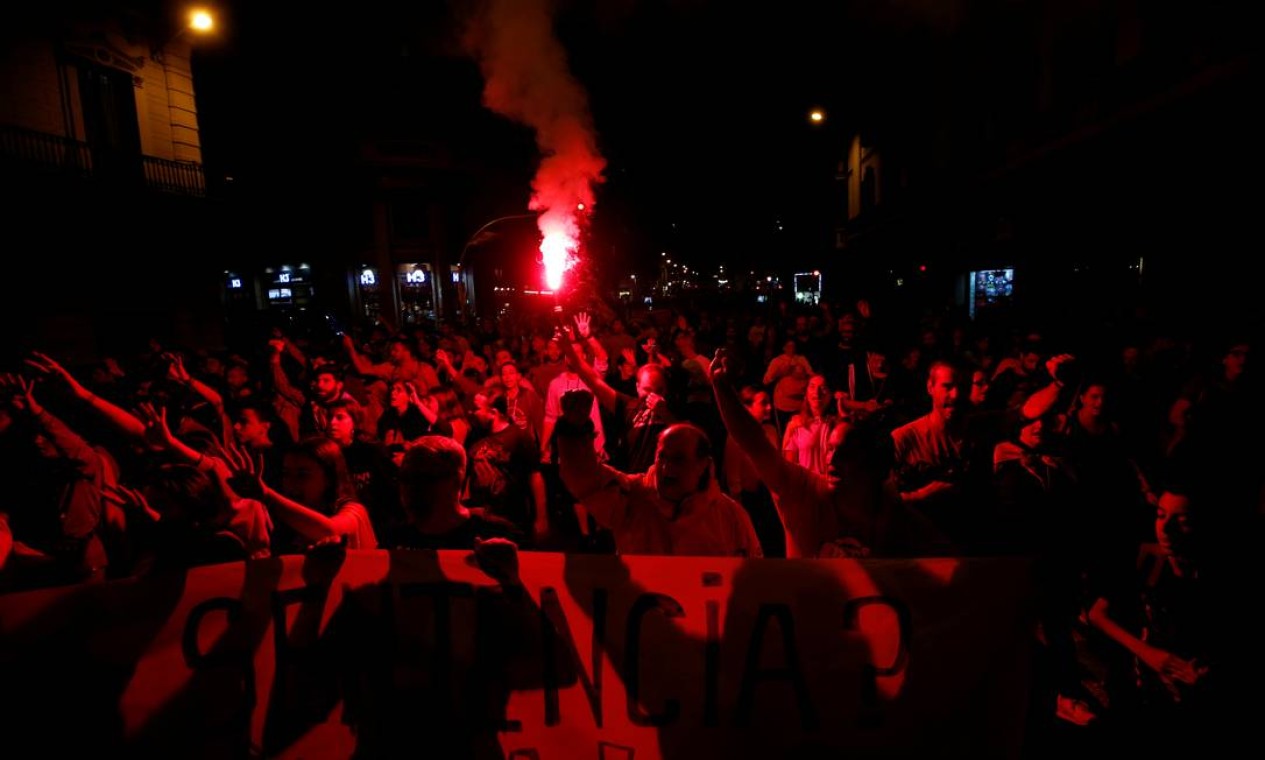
(474, 238)
(201, 20)
(174, 55)
(478, 237)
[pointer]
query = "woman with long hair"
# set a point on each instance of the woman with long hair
(807, 438)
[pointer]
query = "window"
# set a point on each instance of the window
(108, 99)
(989, 288)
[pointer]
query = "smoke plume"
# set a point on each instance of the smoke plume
(527, 79)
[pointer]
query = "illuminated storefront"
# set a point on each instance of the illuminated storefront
(416, 282)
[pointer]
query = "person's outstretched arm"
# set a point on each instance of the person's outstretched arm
(587, 479)
(115, 415)
(606, 395)
(744, 429)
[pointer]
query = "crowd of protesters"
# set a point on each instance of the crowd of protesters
(1122, 458)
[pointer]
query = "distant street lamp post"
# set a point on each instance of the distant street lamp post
(826, 226)
(477, 237)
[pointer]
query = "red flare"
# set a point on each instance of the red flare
(560, 237)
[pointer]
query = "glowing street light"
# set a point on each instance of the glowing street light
(201, 23)
(201, 20)
(817, 116)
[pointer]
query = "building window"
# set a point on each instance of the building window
(112, 129)
(417, 292)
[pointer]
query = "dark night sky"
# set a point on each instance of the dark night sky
(700, 109)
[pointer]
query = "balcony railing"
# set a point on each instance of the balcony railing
(174, 177)
(62, 155)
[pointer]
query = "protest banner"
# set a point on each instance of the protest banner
(596, 656)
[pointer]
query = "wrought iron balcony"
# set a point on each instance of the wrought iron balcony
(61, 155)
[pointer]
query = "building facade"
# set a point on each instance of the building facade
(108, 220)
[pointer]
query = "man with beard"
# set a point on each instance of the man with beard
(942, 463)
(674, 508)
(504, 471)
(307, 414)
(640, 419)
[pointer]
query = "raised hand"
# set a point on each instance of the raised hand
(45, 365)
(175, 368)
(1182, 670)
(112, 366)
(130, 500)
(247, 478)
(583, 325)
(1169, 666)
(1008, 363)
(1053, 364)
(498, 557)
(157, 435)
(21, 393)
(721, 367)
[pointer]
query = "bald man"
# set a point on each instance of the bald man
(676, 507)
